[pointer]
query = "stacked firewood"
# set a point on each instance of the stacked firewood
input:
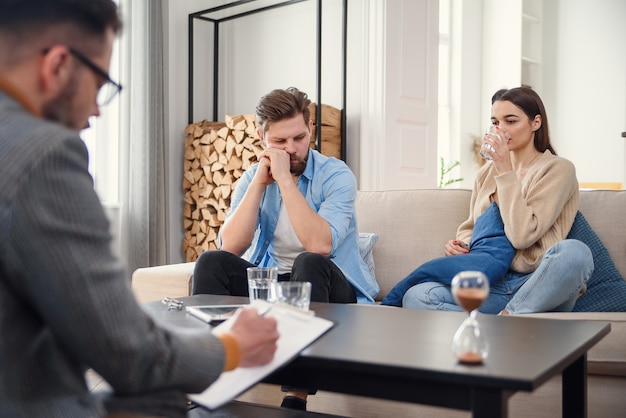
(216, 155)
(331, 130)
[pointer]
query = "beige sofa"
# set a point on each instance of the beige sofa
(413, 226)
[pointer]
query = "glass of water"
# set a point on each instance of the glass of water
(297, 294)
(491, 130)
(260, 280)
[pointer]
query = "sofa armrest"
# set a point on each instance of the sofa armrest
(155, 283)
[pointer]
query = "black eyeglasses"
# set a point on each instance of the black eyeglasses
(109, 89)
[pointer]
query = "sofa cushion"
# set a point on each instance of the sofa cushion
(606, 288)
(366, 248)
(412, 225)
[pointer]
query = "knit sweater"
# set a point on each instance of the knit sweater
(537, 211)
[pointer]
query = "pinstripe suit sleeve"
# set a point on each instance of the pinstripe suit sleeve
(75, 305)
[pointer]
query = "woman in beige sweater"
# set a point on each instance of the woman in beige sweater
(537, 194)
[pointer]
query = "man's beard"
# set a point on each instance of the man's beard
(297, 168)
(61, 108)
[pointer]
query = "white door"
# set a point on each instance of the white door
(399, 121)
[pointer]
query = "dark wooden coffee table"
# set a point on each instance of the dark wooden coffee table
(405, 355)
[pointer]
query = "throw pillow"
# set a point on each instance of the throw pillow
(606, 288)
(366, 247)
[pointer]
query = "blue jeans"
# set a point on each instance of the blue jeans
(554, 286)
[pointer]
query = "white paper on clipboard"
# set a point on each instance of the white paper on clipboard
(297, 329)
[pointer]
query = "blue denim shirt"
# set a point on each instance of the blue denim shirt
(329, 188)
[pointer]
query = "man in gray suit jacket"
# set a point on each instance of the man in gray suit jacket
(65, 301)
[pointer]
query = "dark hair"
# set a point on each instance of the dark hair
(28, 17)
(529, 101)
(282, 104)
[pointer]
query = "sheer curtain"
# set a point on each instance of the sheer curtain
(142, 148)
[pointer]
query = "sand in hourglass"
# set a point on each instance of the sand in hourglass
(471, 298)
(470, 357)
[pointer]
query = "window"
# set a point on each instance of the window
(443, 110)
(102, 140)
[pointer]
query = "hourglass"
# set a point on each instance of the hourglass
(470, 289)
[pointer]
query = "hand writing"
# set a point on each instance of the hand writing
(256, 335)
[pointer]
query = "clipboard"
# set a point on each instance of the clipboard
(297, 329)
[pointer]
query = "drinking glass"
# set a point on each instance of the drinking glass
(297, 294)
(260, 280)
(470, 289)
(491, 130)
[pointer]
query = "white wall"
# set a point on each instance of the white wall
(502, 49)
(585, 84)
(176, 57)
(465, 87)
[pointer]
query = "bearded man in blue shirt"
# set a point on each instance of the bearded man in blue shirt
(295, 210)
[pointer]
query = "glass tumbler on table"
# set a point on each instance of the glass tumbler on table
(296, 294)
(260, 280)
